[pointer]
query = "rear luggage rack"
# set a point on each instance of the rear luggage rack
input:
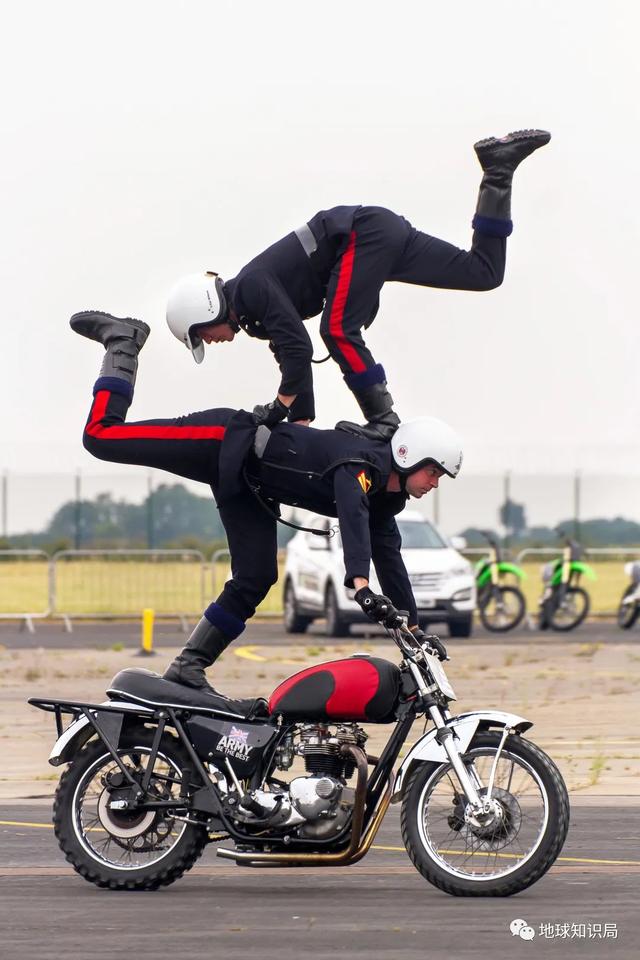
(79, 708)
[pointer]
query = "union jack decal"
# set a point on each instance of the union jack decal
(238, 734)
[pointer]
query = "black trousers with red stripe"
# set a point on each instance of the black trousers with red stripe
(383, 246)
(190, 447)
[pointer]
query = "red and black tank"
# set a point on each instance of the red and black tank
(357, 688)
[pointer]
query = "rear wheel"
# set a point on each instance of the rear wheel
(125, 849)
(293, 621)
(569, 610)
(628, 612)
(501, 852)
(503, 609)
(336, 625)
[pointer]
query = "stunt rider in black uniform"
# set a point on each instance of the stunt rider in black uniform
(336, 264)
(251, 469)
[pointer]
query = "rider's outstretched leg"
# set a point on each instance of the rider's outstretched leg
(431, 262)
(252, 538)
(187, 446)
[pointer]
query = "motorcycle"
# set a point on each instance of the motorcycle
(564, 604)
(501, 607)
(629, 608)
(158, 771)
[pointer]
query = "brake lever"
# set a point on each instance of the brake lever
(434, 650)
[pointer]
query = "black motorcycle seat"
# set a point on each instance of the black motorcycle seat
(150, 689)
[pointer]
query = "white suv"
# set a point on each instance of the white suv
(442, 580)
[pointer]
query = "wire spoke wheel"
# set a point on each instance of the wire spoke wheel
(569, 612)
(503, 609)
(119, 847)
(628, 611)
(499, 853)
(127, 840)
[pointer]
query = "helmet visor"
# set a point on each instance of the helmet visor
(196, 345)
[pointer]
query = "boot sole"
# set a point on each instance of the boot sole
(539, 137)
(86, 321)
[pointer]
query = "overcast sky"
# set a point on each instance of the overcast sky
(145, 140)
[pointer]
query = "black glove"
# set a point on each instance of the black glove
(270, 414)
(377, 607)
(432, 641)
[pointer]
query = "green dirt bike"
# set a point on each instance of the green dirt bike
(629, 608)
(501, 607)
(564, 604)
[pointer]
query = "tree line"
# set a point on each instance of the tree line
(171, 516)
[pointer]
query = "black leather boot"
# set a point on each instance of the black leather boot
(499, 158)
(205, 645)
(123, 339)
(376, 404)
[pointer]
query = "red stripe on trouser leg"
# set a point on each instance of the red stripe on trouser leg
(95, 428)
(344, 345)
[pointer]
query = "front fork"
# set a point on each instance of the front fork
(445, 737)
(469, 783)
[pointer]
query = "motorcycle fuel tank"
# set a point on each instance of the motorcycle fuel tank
(356, 688)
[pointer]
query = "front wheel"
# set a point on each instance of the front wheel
(628, 612)
(503, 609)
(125, 849)
(568, 610)
(506, 850)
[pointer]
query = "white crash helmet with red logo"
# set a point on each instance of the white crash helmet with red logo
(426, 440)
(196, 300)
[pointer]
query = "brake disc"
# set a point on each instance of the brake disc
(503, 826)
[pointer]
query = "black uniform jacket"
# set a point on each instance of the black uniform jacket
(332, 473)
(283, 286)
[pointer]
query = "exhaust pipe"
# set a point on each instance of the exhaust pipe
(357, 847)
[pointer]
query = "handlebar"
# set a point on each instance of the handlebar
(493, 543)
(406, 640)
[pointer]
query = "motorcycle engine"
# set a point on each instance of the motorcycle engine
(318, 805)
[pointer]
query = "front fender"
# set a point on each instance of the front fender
(581, 567)
(505, 567)
(428, 750)
(73, 739)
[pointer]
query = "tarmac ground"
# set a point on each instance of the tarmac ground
(378, 908)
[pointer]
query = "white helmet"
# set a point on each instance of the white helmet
(426, 440)
(197, 300)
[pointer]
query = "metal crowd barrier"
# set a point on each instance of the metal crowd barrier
(118, 584)
(25, 593)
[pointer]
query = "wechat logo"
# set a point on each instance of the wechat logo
(520, 928)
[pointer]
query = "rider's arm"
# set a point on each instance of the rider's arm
(267, 303)
(387, 559)
(352, 507)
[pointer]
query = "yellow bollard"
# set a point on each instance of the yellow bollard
(146, 645)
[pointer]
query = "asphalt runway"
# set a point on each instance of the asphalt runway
(103, 635)
(377, 909)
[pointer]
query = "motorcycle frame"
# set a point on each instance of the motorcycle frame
(107, 722)
(446, 742)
